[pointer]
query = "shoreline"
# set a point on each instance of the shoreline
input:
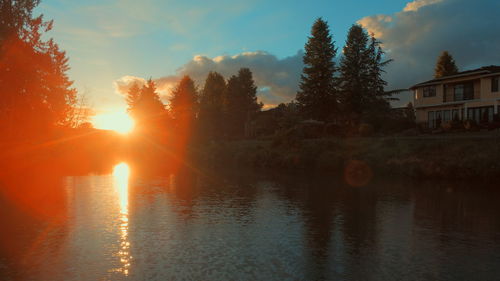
(424, 157)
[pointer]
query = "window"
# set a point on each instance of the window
(429, 91)
(446, 115)
(464, 91)
(459, 92)
(494, 84)
(431, 118)
(455, 115)
(439, 118)
(480, 114)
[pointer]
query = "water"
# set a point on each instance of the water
(124, 226)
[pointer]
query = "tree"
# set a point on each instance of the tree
(445, 65)
(241, 102)
(184, 103)
(80, 112)
(211, 114)
(37, 95)
(16, 18)
(147, 110)
(362, 86)
(317, 96)
(149, 105)
(354, 73)
(133, 97)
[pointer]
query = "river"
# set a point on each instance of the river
(240, 226)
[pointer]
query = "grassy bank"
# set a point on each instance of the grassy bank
(441, 157)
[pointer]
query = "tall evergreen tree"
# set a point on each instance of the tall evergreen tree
(241, 102)
(376, 107)
(212, 106)
(133, 96)
(362, 87)
(317, 96)
(445, 65)
(144, 104)
(376, 64)
(355, 73)
(184, 103)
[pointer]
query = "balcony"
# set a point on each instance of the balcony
(460, 92)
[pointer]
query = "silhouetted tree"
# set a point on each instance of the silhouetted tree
(377, 107)
(145, 106)
(241, 102)
(361, 83)
(184, 103)
(317, 96)
(445, 65)
(211, 114)
(133, 96)
(16, 18)
(354, 73)
(36, 92)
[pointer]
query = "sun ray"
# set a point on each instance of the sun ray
(118, 121)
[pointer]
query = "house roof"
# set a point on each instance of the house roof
(483, 71)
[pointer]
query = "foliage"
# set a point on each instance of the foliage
(211, 113)
(317, 96)
(445, 65)
(241, 102)
(184, 103)
(362, 92)
(36, 92)
(144, 103)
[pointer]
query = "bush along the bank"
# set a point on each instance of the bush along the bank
(436, 158)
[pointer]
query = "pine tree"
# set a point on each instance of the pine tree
(363, 97)
(132, 98)
(212, 105)
(376, 82)
(445, 65)
(145, 105)
(241, 102)
(355, 73)
(376, 106)
(184, 103)
(317, 96)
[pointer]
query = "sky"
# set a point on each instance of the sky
(111, 44)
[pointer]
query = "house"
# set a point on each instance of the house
(468, 95)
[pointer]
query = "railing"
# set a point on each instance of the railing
(449, 95)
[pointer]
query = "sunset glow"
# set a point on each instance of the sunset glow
(118, 121)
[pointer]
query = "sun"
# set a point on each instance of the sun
(118, 121)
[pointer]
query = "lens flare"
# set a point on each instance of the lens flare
(118, 121)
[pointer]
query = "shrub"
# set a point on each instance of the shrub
(311, 128)
(366, 130)
(470, 125)
(332, 129)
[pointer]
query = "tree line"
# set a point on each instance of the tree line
(220, 109)
(38, 96)
(346, 95)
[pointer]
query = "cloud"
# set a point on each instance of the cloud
(277, 79)
(123, 84)
(417, 4)
(416, 36)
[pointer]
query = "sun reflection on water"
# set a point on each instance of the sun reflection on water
(121, 174)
